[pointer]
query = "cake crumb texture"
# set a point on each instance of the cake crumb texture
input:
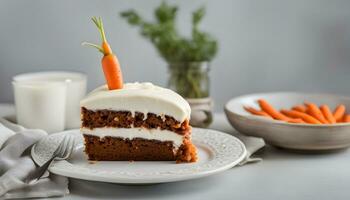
(137, 149)
(124, 119)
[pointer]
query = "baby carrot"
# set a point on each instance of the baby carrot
(296, 120)
(346, 118)
(327, 114)
(265, 106)
(305, 117)
(110, 64)
(339, 112)
(315, 112)
(256, 112)
(300, 108)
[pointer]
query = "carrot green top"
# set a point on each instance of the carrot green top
(104, 48)
(110, 63)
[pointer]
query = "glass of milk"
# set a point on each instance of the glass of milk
(49, 100)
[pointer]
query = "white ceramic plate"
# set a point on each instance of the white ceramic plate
(287, 135)
(217, 152)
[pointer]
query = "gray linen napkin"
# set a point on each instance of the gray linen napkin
(16, 164)
(252, 144)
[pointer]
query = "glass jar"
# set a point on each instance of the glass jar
(191, 81)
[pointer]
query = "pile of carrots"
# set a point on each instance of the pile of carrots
(308, 113)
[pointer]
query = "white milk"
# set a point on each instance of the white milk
(49, 100)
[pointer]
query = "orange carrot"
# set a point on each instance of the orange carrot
(305, 117)
(346, 118)
(112, 74)
(300, 108)
(110, 64)
(327, 114)
(265, 106)
(339, 112)
(256, 112)
(296, 121)
(314, 111)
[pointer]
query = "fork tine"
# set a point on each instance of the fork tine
(59, 148)
(64, 146)
(72, 147)
(67, 148)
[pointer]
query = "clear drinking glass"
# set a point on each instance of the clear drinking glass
(191, 81)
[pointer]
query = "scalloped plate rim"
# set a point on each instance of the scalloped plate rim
(64, 168)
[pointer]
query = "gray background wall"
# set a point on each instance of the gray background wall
(268, 45)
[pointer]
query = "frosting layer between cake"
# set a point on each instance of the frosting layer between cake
(139, 97)
(131, 133)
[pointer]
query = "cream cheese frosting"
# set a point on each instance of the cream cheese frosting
(131, 133)
(139, 97)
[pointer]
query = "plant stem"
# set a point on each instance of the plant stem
(93, 45)
(98, 22)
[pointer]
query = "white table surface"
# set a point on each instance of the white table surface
(282, 175)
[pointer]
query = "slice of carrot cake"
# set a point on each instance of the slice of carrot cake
(140, 122)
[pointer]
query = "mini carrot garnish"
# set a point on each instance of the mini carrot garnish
(328, 114)
(110, 63)
(265, 106)
(256, 112)
(339, 112)
(300, 108)
(305, 117)
(315, 112)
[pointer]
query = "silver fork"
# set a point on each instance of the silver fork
(63, 151)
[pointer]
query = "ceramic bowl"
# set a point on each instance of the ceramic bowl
(287, 135)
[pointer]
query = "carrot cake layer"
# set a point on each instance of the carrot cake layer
(125, 119)
(141, 121)
(138, 149)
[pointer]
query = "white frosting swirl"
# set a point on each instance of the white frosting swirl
(132, 133)
(139, 97)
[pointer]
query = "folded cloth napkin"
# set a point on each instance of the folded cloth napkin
(252, 144)
(16, 164)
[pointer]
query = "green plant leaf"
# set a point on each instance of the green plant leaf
(198, 15)
(170, 44)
